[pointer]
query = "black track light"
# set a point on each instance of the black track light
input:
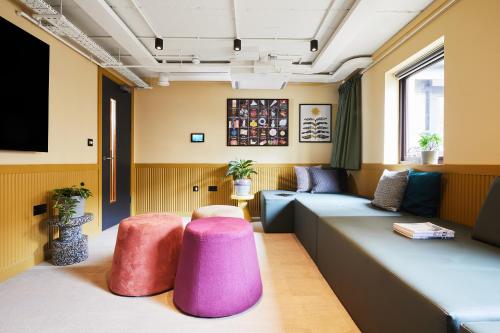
(158, 43)
(314, 45)
(237, 44)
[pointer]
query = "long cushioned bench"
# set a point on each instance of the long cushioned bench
(387, 282)
(481, 327)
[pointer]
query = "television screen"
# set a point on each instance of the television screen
(24, 112)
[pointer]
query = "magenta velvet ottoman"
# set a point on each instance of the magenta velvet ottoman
(146, 254)
(218, 273)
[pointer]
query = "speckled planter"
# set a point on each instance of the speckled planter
(72, 246)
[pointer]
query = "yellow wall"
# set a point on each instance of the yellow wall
(72, 101)
(471, 31)
(165, 116)
(27, 178)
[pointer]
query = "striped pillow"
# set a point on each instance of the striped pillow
(391, 190)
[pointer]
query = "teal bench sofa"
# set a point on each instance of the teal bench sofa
(481, 327)
(389, 283)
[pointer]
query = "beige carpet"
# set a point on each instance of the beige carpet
(75, 299)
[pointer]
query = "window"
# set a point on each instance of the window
(421, 103)
(112, 151)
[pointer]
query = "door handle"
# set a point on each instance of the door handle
(106, 158)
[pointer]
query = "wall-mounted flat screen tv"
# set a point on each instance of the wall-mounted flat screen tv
(24, 111)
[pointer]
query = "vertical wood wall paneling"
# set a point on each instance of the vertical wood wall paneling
(169, 187)
(24, 237)
(464, 187)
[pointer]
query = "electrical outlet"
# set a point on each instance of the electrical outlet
(196, 188)
(39, 209)
(212, 188)
(90, 142)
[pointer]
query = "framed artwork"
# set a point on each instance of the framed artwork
(257, 122)
(197, 137)
(315, 123)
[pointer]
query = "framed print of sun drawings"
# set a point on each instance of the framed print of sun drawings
(315, 123)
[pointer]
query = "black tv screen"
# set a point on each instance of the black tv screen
(24, 111)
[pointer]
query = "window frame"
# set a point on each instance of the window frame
(402, 75)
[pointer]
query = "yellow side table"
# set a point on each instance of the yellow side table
(243, 204)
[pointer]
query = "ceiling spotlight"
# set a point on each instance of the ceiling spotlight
(196, 60)
(163, 80)
(237, 44)
(314, 45)
(158, 43)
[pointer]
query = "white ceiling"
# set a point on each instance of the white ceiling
(345, 29)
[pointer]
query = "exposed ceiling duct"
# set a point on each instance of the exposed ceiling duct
(346, 31)
(61, 26)
(259, 81)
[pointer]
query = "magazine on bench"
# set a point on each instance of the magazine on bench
(424, 230)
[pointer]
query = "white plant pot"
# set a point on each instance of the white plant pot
(80, 206)
(242, 187)
(429, 157)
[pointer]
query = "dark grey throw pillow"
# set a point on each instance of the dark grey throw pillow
(303, 178)
(487, 227)
(391, 190)
(325, 180)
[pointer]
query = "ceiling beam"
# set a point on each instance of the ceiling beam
(324, 19)
(145, 18)
(235, 18)
(342, 36)
(104, 15)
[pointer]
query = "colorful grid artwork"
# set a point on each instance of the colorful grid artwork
(257, 122)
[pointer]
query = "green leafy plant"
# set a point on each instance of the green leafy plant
(65, 202)
(240, 169)
(429, 141)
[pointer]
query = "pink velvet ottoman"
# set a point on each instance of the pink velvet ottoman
(218, 273)
(146, 254)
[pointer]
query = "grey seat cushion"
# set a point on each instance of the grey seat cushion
(487, 227)
(481, 327)
(342, 205)
(458, 279)
(308, 208)
(277, 209)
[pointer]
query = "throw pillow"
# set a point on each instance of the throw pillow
(303, 178)
(391, 190)
(326, 180)
(487, 227)
(423, 193)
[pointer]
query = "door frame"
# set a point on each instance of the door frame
(102, 72)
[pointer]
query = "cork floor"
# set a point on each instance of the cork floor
(75, 298)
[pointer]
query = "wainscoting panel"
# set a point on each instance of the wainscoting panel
(169, 187)
(464, 187)
(24, 237)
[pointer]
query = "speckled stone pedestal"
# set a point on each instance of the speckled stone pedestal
(72, 246)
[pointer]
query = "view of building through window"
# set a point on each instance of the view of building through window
(424, 108)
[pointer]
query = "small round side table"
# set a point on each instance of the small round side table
(243, 204)
(72, 246)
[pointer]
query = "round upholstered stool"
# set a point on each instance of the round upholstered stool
(218, 273)
(217, 210)
(146, 254)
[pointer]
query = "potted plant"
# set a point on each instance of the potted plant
(429, 145)
(72, 246)
(241, 170)
(70, 202)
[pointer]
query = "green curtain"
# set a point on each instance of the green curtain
(347, 136)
